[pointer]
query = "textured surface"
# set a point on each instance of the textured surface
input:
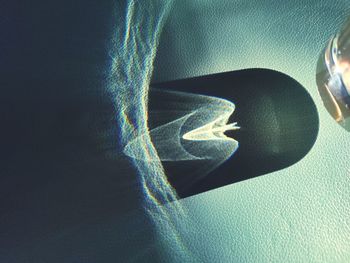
(300, 214)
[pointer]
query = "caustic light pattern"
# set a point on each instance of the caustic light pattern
(196, 132)
(132, 58)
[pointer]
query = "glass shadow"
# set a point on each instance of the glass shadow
(278, 119)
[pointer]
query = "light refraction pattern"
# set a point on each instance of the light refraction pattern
(134, 47)
(196, 132)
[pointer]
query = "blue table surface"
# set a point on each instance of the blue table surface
(299, 214)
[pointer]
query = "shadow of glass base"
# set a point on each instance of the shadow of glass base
(278, 119)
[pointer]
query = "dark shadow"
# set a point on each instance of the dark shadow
(278, 119)
(66, 194)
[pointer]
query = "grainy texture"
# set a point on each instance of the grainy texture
(300, 214)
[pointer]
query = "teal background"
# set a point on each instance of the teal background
(69, 195)
(299, 214)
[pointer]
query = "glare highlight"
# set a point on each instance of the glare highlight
(196, 130)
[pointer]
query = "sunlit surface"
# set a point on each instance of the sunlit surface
(299, 214)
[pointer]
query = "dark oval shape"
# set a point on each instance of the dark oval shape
(278, 119)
